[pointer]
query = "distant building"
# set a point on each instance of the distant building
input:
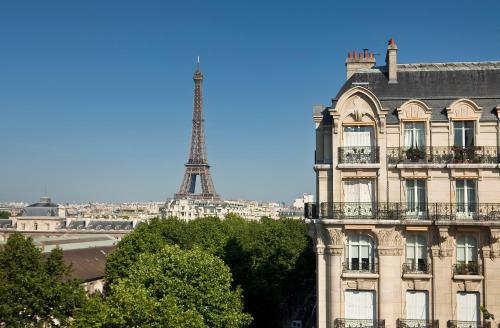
(408, 185)
(299, 202)
(41, 216)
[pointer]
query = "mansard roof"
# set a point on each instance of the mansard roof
(437, 85)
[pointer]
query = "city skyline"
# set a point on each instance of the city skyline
(96, 100)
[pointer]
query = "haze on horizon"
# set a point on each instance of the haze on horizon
(96, 96)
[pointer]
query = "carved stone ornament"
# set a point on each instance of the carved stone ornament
(334, 237)
(435, 251)
(486, 252)
(389, 238)
(495, 243)
(414, 110)
(446, 243)
(393, 251)
(472, 286)
(320, 250)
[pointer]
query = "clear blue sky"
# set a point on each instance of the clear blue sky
(96, 96)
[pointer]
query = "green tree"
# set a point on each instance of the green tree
(35, 289)
(170, 288)
(4, 215)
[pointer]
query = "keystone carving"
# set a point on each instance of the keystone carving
(446, 243)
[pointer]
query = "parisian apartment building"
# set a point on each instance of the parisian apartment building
(407, 224)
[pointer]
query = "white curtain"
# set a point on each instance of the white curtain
(414, 135)
(359, 305)
(467, 307)
(356, 136)
(416, 305)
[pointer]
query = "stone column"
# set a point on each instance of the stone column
(491, 267)
(335, 249)
(442, 276)
(389, 263)
(320, 287)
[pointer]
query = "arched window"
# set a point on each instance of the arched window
(416, 252)
(360, 253)
(36, 226)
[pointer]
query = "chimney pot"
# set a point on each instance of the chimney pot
(391, 60)
(365, 53)
(354, 52)
(349, 55)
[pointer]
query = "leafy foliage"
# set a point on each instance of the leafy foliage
(32, 290)
(271, 260)
(4, 215)
(170, 288)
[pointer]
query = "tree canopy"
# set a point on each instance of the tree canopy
(271, 260)
(35, 289)
(170, 288)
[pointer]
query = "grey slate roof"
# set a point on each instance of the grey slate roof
(437, 85)
(5, 223)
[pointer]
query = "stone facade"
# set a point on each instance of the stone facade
(408, 196)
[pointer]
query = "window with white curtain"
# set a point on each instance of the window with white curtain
(467, 309)
(358, 197)
(466, 249)
(416, 252)
(357, 143)
(417, 307)
(464, 133)
(360, 252)
(466, 197)
(415, 197)
(359, 305)
(414, 135)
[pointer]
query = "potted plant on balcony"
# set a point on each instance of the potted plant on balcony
(415, 154)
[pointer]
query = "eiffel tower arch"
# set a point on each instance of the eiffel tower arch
(197, 165)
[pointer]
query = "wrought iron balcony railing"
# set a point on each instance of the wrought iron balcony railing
(468, 324)
(470, 268)
(359, 155)
(412, 211)
(444, 155)
(360, 266)
(416, 267)
(417, 323)
(358, 323)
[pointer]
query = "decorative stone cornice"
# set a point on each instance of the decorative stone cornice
(320, 250)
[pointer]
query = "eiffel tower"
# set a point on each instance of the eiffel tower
(197, 164)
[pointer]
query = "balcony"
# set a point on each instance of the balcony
(470, 268)
(403, 211)
(443, 155)
(359, 267)
(358, 323)
(359, 155)
(416, 323)
(415, 268)
(467, 324)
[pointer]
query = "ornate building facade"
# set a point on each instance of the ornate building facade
(407, 227)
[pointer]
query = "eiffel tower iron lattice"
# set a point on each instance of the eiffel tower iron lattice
(197, 165)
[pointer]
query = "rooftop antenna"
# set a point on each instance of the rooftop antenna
(198, 64)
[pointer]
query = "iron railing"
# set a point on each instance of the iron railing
(414, 211)
(358, 323)
(468, 324)
(470, 268)
(416, 267)
(443, 155)
(417, 323)
(360, 266)
(359, 154)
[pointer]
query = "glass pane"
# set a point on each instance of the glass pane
(410, 253)
(458, 132)
(354, 251)
(460, 254)
(469, 133)
(364, 251)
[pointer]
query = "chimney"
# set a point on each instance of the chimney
(356, 62)
(391, 60)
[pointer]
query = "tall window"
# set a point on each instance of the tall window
(358, 144)
(360, 253)
(415, 197)
(466, 249)
(36, 226)
(358, 197)
(466, 197)
(464, 133)
(414, 136)
(416, 252)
